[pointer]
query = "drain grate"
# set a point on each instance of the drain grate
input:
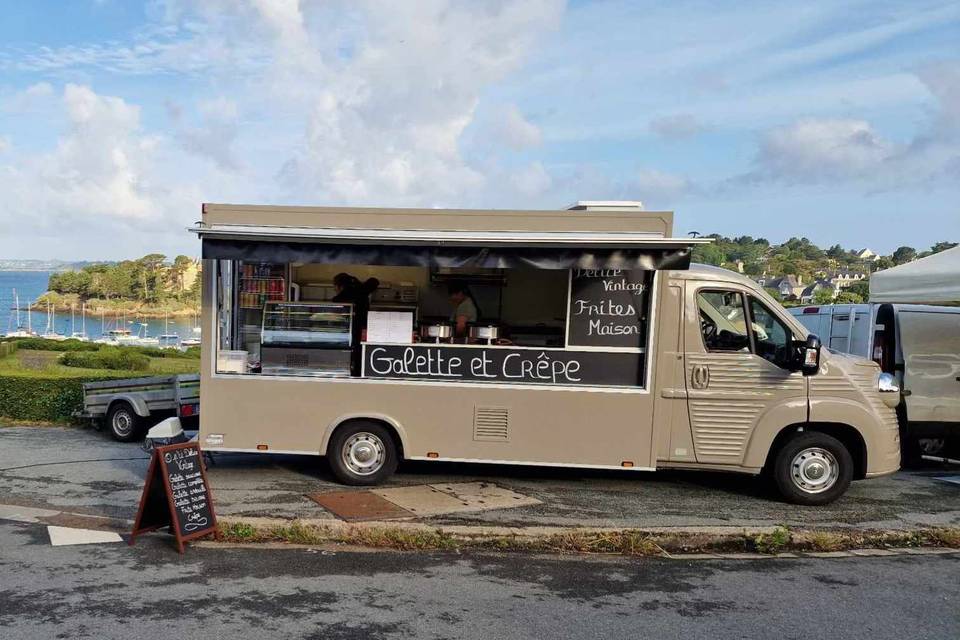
(354, 506)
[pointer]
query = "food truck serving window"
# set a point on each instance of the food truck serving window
(516, 326)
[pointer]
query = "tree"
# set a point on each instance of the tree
(942, 246)
(860, 288)
(848, 297)
(903, 255)
(709, 254)
(823, 296)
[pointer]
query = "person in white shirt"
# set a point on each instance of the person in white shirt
(464, 310)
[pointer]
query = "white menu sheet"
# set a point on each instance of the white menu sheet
(390, 327)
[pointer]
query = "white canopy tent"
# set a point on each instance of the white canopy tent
(931, 280)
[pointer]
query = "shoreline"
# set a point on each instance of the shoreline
(112, 312)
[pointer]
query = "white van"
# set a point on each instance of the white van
(919, 344)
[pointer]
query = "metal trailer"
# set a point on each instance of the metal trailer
(128, 407)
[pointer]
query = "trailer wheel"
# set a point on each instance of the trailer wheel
(362, 453)
(813, 469)
(124, 423)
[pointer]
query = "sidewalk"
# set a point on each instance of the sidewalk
(85, 472)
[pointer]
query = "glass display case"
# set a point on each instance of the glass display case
(300, 338)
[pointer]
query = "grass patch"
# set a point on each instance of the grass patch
(625, 542)
(772, 543)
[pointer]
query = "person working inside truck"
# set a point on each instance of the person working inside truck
(465, 308)
(349, 289)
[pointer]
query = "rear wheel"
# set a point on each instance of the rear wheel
(124, 423)
(362, 453)
(813, 469)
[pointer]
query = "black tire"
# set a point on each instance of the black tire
(349, 448)
(123, 423)
(812, 469)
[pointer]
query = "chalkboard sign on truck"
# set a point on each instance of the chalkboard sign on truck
(608, 308)
(176, 495)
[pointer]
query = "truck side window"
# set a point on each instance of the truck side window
(771, 336)
(723, 322)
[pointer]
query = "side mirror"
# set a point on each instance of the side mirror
(810, 355)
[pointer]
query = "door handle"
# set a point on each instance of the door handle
(700, 376)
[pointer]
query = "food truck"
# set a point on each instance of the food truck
(577, 338)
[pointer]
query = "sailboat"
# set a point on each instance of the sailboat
(19, 332)
(166, 339)
(83, 319)
(195, 340)
(50, 332)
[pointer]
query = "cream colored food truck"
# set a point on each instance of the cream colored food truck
(579, 338)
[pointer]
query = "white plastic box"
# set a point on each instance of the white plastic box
(231, 362)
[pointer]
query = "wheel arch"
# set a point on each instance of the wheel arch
(395, 429)
(138, 404)
(847, 434)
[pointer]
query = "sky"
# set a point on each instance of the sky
(837, 121)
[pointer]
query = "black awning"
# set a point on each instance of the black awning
(445, 256)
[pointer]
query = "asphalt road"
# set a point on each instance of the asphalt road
(149, 591)
(84, 471)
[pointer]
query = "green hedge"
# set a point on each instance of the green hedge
(157, 352)
(42, 344)
(42, 398)
(115, 358)
(7, 349)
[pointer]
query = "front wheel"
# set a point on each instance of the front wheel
(362, 454)
(813, 469)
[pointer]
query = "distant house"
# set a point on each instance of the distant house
(789, 287)
(867, 255)
(806, 295)
(845, 278)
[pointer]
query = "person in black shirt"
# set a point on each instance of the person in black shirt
(349, 289)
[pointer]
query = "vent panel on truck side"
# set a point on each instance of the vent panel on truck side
(491, 424)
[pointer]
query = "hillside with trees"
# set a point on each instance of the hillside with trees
(150, 285)
(843, 274)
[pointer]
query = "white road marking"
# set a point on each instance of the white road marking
(24, 514)
(60, 536)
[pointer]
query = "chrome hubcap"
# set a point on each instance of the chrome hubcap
(363, 453)
(814, 470)
(122, 423)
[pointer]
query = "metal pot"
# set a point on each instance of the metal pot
(485, 333)
(436, 332)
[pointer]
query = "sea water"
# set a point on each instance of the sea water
(30, 285)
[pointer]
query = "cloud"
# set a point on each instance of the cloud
(385, 122)
(513, 130)
(653, 186)
(28, 98)
(531, 180)
(215, 136)
(100, 170)
(676, 126)
(837, 150)
(816, 150)
(5, 144)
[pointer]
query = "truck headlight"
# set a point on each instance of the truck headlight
(889, 389)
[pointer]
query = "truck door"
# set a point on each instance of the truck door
(736, 356)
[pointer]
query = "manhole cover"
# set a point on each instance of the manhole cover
(354, 506)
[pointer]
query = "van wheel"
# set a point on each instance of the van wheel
(362, 454)
(813, 469)
(124, 423)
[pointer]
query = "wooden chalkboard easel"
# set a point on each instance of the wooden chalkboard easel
(176, 495)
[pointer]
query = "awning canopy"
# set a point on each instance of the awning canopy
(930, 280)
(447, 248)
